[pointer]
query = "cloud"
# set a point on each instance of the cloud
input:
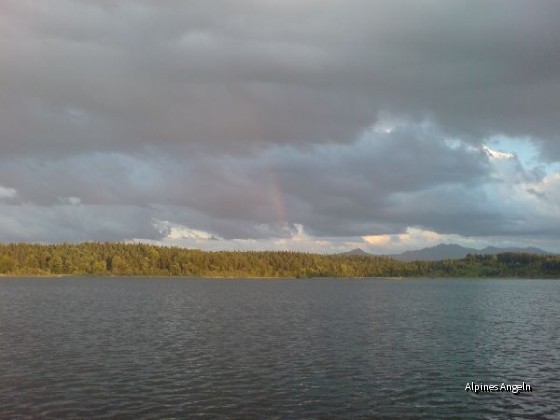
(264, 121)
(384, 183)
(237, 75)
(71, 223)
(413, 238)
(496, 154)
(183, 236)
(174, 231)
(7, 192)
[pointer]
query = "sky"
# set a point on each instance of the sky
(305, 125)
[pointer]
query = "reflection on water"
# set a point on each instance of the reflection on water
(173, 347)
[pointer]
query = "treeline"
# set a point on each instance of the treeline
(142, 259)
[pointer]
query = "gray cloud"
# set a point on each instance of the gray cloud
(380, 184)
(71, 223)
(247, 118)
(235, 75)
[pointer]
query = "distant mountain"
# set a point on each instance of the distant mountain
(453, 251)
(435, 253)
(447, 252)
(357, 251)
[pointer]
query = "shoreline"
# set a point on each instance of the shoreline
(143, 276)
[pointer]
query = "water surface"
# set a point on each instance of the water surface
(157, 347)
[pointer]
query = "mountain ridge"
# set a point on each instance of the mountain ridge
(449, 252)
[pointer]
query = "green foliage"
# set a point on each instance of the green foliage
(93, 258)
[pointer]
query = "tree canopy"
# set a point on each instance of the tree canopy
(93, 258)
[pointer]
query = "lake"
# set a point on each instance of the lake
(172, 347)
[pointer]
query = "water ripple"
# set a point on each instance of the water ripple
(152, 348)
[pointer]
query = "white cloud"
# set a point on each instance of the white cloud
(416, 238)
(175, 231)
(298, 240)
(7, 192)
(72, 201)
(496, 154)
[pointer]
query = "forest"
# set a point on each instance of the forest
(122, 259)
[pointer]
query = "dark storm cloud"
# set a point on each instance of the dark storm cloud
(381, 183)
(74, 223)
(234, 75)
(248, 118)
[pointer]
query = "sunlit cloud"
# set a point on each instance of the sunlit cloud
(174, 231)
(496, 154)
